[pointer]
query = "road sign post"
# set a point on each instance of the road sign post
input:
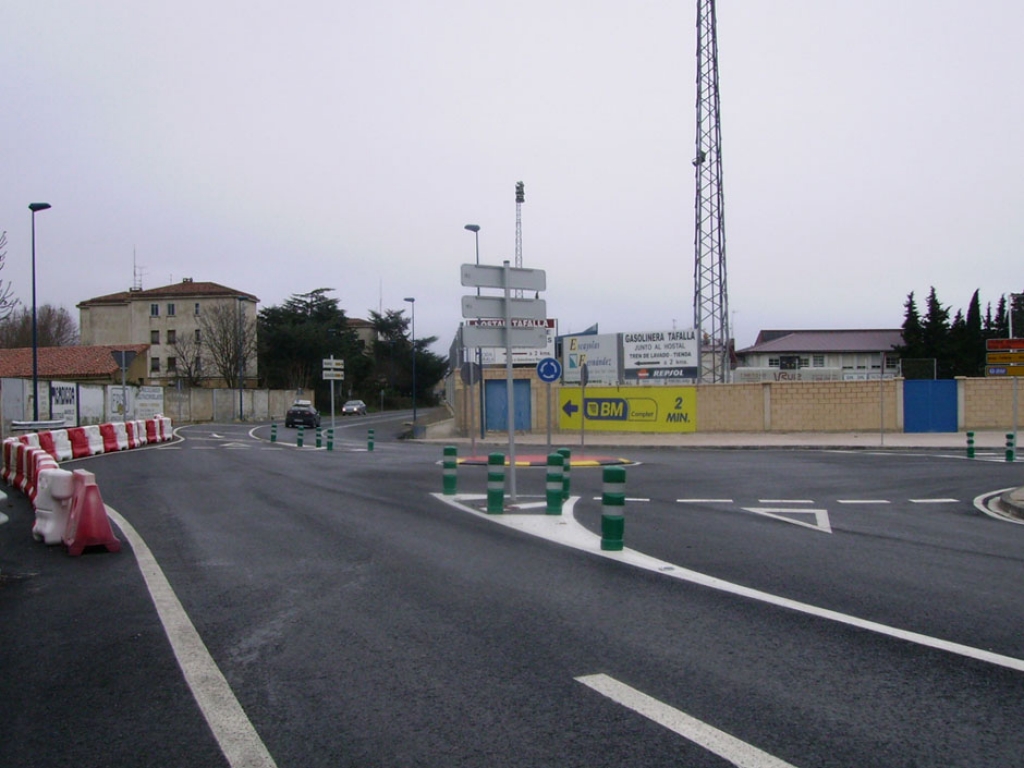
(508, 334)
(549, 370)
(334, 370)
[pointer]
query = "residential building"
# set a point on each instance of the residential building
(172, 320)
(819, 355)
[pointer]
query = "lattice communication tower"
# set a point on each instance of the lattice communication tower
(710, 296)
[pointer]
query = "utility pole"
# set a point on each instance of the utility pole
(710, 295)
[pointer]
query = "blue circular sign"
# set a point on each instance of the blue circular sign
(549, 370)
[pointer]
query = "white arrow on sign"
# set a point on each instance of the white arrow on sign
(534, 337)
(487, 276)
(494, 306)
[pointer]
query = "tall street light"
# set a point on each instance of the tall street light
(241, 356)
(475, 229)
(412, 301)
(35, 328)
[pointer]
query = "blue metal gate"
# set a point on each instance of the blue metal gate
(497, 404)
(929, 405)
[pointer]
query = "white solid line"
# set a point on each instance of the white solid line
(785, 501)
(565, 529)
(720, 743)
(235, 734)
(934, 501)
(862, 501)
(704, 501)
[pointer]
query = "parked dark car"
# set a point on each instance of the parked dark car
(302, 412)
(354, 407)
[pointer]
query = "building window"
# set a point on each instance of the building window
(154, 310)
(170, 310)
(199, 336)
(172, 364)
(197, 308)
(172, 337)
(154, 365)
(773, 362)
(154, 337)
(819, 361)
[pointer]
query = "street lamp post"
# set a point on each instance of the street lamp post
(412, 301)
(241, 355)
(475, 229)
(35, 328)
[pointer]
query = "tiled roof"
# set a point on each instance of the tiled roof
(64, 362)
(182, 290)
(826, 341)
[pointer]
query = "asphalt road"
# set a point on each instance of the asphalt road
(805, 608)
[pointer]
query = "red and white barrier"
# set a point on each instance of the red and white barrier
(25, 457)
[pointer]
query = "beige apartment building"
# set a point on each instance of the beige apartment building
(172, 320)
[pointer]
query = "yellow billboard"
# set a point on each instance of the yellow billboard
(628, 409)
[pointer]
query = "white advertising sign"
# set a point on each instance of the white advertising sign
(599, 351)
(64, 402)
(655, 355)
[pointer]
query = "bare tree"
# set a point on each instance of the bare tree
(7, 302)
(189, 364)
(55, 327)
(228, 340)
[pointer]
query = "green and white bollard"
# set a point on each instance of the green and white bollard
(330, 439)
(369, 441)
(613, 503)
(553, 485)
(970, 445)
(273, 431)
(495, 483)
(302, 435)
(319, 438)
(451, 469)
(566, 455)
(1010, 448)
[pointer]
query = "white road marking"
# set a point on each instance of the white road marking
(785, 501)
(232, 729)
(628, 498)
(720, 743)
(981, 504)
(862, 501)
(934, 501)
(821, 521)
(564, 529)
(704, 501)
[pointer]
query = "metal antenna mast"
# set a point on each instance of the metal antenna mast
(710, 297)
(520, 199)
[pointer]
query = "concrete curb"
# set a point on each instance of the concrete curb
(1013, 503)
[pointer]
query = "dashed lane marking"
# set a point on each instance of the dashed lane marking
(720, 743)
(863, 501)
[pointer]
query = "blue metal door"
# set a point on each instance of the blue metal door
(929, 405)
(497, 404)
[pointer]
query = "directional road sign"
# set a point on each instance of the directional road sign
(494, 306)
(487, 276)
(1004, 345)
(332, 364)
(494, 336)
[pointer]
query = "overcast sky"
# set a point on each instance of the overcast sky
(870, 149)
